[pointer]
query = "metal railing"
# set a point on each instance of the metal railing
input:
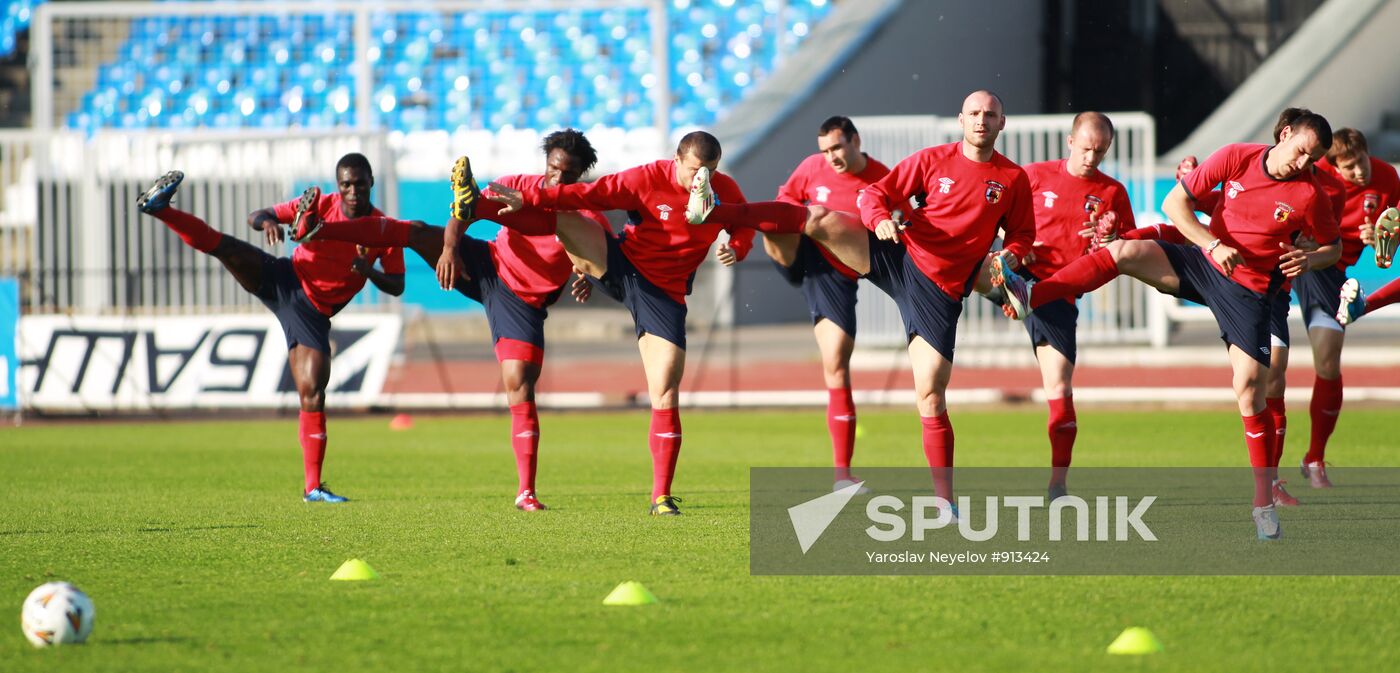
(70, 230)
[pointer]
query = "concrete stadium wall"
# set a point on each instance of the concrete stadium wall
(1341, 63)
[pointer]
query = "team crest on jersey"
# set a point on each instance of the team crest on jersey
(663, 212)
(994, 191)
(1371, 202)
(1093, 205)
(1049, 198)
(1233, 189)
(823, 193)
(1282, 212)
(944, 184)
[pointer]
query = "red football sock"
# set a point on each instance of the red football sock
(528, 221)
(1277, 411)
(1383, 297)
(772, 217)
(1155, 232)
(1258, 437)
(1087, 273)
(193, 231)
(525, 440)
(1326, 406)
(1063, 428)
(312, 429)
(665, 442)
(938, 449)
(841, 423)
(377, 232)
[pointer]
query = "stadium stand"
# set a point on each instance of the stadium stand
(436, 70)
(15, 19)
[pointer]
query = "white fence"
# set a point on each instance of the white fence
(70, 230)
(1123, 312)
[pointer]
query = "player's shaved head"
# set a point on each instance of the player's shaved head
(702, 145)
(982, 118)
(979, 97)
(1097, 120)
(356, 161)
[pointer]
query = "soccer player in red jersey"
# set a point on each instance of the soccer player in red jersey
(1379, 179)
(1072, 199)
(1276, 379)
(648, 268)
(1242, 261)
(929, 261)
(515, 277)
(1370, 186)
(834, 178)
(304, 291)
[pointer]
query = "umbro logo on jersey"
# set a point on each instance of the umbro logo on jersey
(527, 434)
(944, 185)
(667, 435)
(321, 435)
(1050, 198)
(1264, 350)
(1233, 189)
(845, 417)
(663, 212)
(823, 193)
(1254, 435)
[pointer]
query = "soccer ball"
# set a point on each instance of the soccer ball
(57, 613)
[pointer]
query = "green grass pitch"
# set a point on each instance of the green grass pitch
(193, 541)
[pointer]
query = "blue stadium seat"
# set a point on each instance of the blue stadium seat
(490, 69)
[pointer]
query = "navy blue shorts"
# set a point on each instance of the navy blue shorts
(508, 316)
(1242, 314)
(829, 293)
(281, 292)
(1054, 324)
(1278, 319)
(1319, 290)
(927, 310)
(653, 311)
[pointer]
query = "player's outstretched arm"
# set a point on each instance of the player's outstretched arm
(1296, 260)
(581, 288)
(1180, 209)
(510, 198)
(449, 265)
(265, 220)
(388, 283)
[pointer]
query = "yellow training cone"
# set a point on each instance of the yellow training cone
(1135, 640)
(355, 569)
(630, 593)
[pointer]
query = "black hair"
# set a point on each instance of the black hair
(848, 128)
(354, 160)
(574, 143)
